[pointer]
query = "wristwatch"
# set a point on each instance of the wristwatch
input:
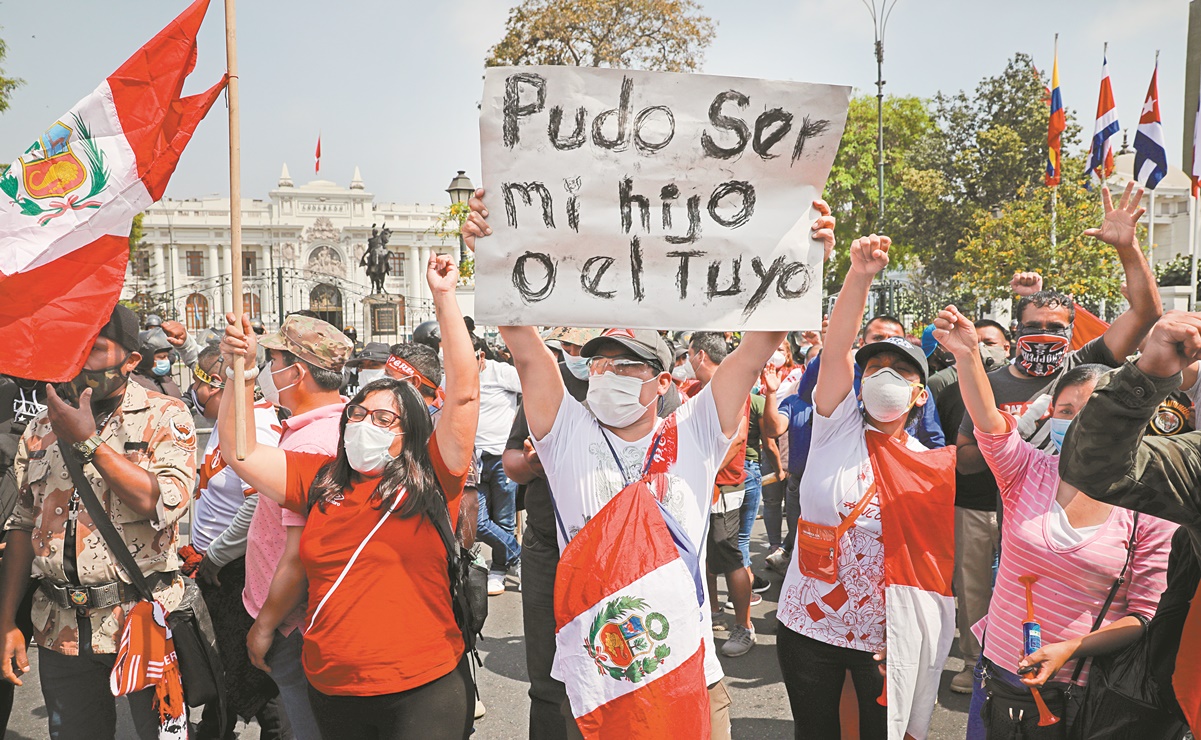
(87, 448)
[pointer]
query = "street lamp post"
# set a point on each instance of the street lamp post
(460, 191)
(880, 11)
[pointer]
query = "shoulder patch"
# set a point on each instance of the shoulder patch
(184, 434)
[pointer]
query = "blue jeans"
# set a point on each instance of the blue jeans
(496, 526)
(792, 508)
(975, 724)
(750, 509)
(79, 703)
(288, 674)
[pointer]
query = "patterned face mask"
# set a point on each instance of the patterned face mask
(103, 383)
(1041, 351)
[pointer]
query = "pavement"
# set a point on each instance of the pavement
(760, 703)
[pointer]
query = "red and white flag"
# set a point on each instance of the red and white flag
(628, 627)
(917, 519)
(67, 205)
(317, 168)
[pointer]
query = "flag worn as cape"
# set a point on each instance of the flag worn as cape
(629, 641)
(917, 518)
(67, 205)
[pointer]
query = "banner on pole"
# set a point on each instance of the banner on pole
(653, 199)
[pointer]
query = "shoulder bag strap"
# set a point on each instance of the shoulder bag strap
(112, 539)
(1113, 591)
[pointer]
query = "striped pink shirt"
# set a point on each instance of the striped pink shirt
(1072, 583)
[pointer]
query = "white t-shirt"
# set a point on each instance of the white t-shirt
(219, 490)
(583, 475)
(1061, 532)
(499, 388)
(849, 613)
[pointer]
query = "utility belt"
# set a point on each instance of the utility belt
(728, 498)
(102, 596)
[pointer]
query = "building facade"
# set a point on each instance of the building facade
(302, 249)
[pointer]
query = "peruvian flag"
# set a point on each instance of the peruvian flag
(629, 631)
(917, 518)
(67, 205)
(317, 167)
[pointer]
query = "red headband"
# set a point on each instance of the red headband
(406, 371)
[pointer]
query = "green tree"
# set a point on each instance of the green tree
(664, 35)
(7, 84)
(448, 226)
(136, 235)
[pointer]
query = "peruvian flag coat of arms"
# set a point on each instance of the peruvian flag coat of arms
(67, 203)
(629, 630)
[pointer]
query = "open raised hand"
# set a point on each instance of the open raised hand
(1118, 226)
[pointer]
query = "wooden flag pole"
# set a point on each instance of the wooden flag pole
(235, 219)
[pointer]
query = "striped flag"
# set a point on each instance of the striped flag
(1100, 153)
(1195, 169)
(629, 632)
(146, 659)
(1150, 155)
(1055, 126)
(317, 168)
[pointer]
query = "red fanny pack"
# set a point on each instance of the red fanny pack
(818, 546)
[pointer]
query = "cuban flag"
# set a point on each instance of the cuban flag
(629, 631)
(917, 519)
(67, 204)
(1150, 155)
(1100, 152)
(1055, 127)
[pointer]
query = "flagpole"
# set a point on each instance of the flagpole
(1151, 231)
(1054, 219)
(235, 218)
(1192, 250)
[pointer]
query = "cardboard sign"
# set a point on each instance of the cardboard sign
(652, 199)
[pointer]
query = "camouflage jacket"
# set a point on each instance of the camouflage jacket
(150, 429)
(1107, 455)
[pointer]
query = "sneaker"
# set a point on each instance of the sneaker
(740, 642)
(496, 584)
(480, 711)
(778, 561)
(760, 584)
(756, 599)
(964, 681)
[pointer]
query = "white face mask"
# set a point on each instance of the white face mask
(267, 383)
(367, 447)
(679, 374)
(886, 395)
(366, 376)
(777, 359)
(688, 371)
(578, 366)
(615, 400)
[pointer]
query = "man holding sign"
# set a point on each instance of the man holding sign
(632, 620)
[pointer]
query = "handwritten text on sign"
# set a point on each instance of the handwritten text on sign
(653, 199)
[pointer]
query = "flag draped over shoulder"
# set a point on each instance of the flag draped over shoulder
(1150, 156)
(917, 517)
(1055, 127)
(628, 627)
(1100, 151)
(67, 205)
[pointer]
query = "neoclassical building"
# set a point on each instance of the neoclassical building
(301, 249)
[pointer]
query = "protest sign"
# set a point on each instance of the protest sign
(653, 199)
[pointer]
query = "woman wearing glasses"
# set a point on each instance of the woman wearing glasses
(382, 652)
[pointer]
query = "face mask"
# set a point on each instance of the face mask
(992, 356)
(578, 366)
(267, 383)
(1041, 353)
(689, 370)
(886, 395)
(161, 367)
(103, 383)
(777, 360)
(194, 400)
(677, 373)
(615, 400)
(367, 376)
(367, 447)
(1059, 430)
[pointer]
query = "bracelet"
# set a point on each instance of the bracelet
(249, 373)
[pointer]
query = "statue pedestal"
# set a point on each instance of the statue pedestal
(384, 318)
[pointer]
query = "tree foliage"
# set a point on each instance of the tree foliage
(7, 84)
(136, 235)
(662, 35)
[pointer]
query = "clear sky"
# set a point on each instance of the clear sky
(392, 85)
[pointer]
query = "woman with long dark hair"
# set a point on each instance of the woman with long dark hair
(382, 652)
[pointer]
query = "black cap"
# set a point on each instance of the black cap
(372, 352)
(644, 343)
(896, 345)
(122, 328)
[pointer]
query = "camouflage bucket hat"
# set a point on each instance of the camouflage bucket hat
(572, 336)
(312, 340)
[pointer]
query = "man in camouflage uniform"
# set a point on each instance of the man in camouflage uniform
(1108, 456)
(139, 454)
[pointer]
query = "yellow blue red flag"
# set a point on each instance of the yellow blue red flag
(1055, 127)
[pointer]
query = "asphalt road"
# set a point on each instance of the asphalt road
(760, 705)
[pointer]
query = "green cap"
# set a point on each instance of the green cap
(315, 341)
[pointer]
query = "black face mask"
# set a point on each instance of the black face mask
(103, 383)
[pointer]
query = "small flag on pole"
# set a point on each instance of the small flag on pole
(1150, 155)
(318, 167)
(68, 203)
(1100, 155)
(1055, 126)
(1195, 170)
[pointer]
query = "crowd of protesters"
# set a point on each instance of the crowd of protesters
(962, 475)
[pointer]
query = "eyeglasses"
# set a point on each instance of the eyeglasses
(618, 365)
(382, 418)
(207, 379)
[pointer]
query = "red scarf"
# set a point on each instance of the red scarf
(145, 658)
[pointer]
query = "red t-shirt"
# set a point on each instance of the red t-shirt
(389, 626)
